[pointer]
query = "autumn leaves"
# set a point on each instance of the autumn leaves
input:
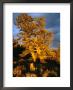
(37, 42)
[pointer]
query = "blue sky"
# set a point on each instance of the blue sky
(52, 24)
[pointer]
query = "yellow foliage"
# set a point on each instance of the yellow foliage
(17, 71)
(32, 67)
(35, 38)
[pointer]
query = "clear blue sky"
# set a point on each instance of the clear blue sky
(52, 24)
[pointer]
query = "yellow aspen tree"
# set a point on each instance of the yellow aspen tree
(34, 37)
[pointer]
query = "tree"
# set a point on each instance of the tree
(36, 41)
(34, 37)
